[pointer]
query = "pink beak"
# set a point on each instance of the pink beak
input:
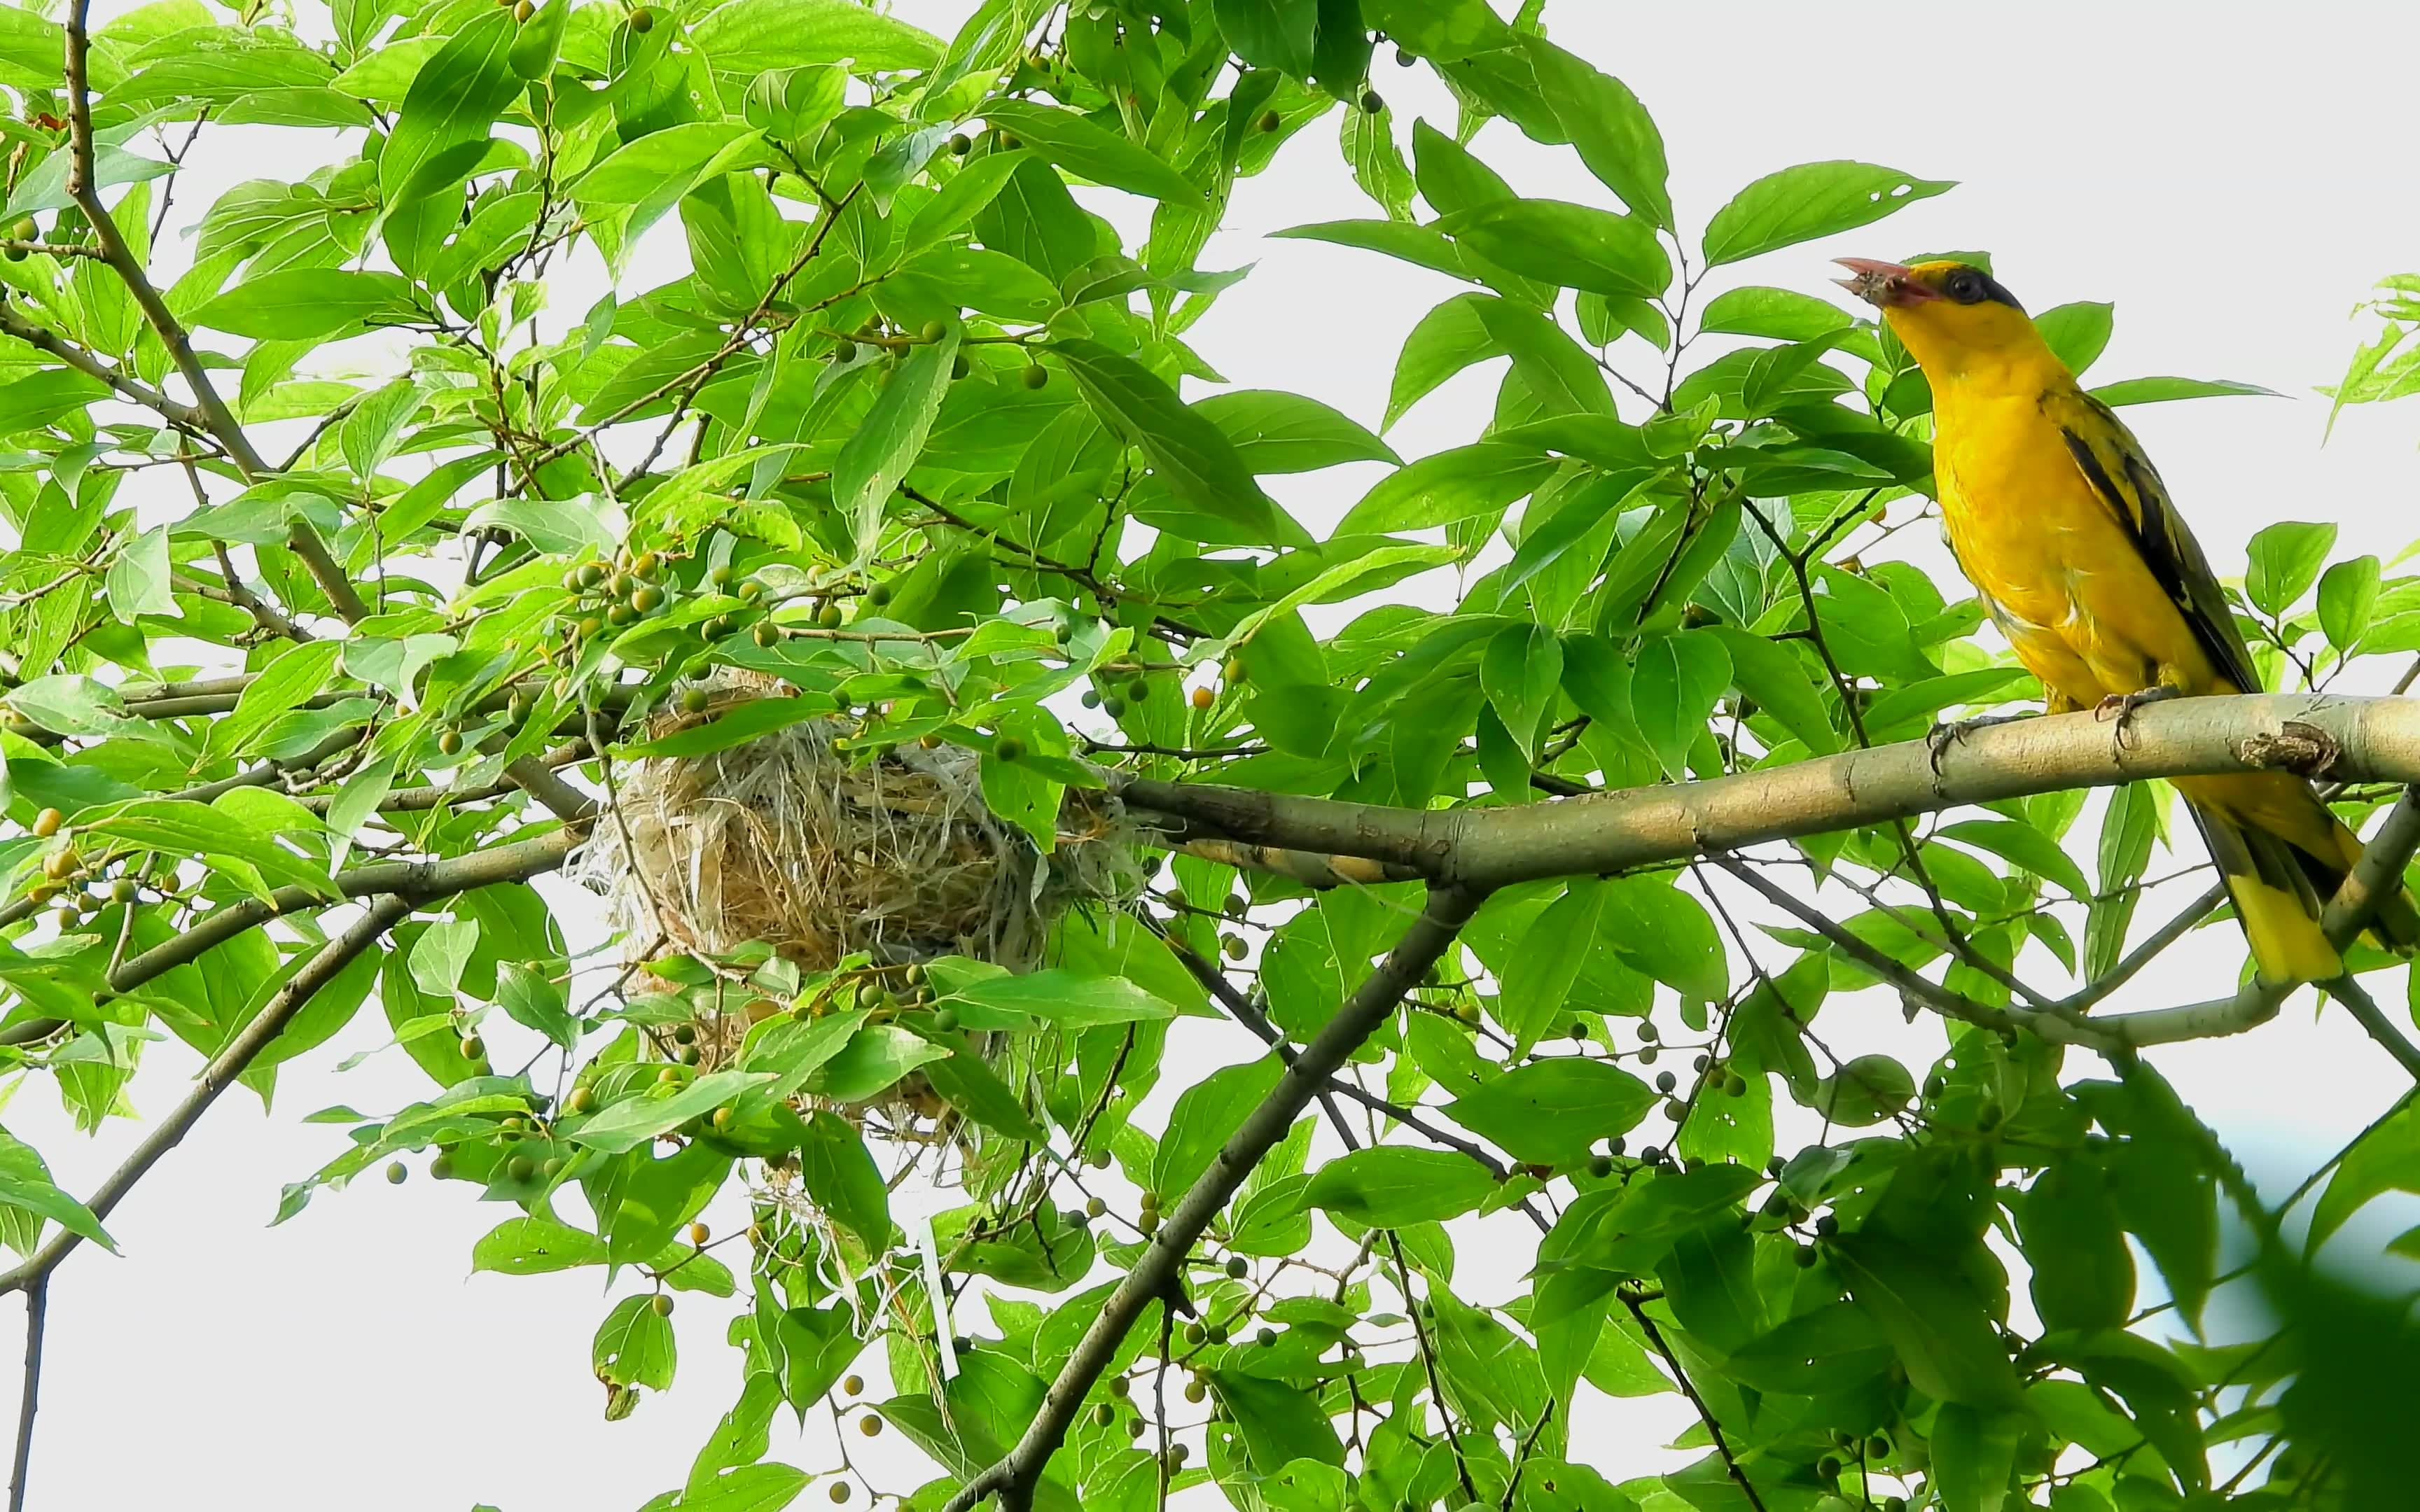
(1882, 284)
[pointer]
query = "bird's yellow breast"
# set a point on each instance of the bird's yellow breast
(2059, 573)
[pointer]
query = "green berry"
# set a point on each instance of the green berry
(521, 1168)
(474, 1048)
(396, 1172)
(932, 331)
(1035, 375)
(1009, 749)
(662, 1304)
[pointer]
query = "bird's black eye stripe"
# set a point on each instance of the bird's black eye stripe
(1972, 286)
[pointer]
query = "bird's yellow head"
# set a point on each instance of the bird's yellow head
(1951, 316)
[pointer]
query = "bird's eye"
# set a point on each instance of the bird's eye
(1967, 286)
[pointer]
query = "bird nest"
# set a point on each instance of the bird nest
(822, 852)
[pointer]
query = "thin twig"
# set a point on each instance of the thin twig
(1014, 1476)
(233, 1060)
(1688, 1389)
(38, 1307)
(1429, 1366)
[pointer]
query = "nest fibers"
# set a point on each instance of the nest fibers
(823, 854)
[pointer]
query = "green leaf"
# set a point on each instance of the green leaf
(440, 135)
(1552, 1111)
(1187, 449)
(1205, 1114)
(872, 1062)
(975, 1090)
(2348, 594)
(2022, 845)
(1773, 678)
(137, 582)
(533, 1246)
(1447, 339)
(2131, 821)
(636, 1119)
(1277, 1422)
(1275, 432)
(25, 1184)
(1942, 1333)
(1458, 484)
(1779, 313)
(1522, 672)
(582, 525)
(1673, 689)
(645, 178)
(1270, 33)
(283, 683)
(888, 441)
(441, 955)
(750, 36)
(1394, 1187)
(1656, 928)
(1611, 130)
(218, 832)
(1424, 246)
(2076, 333)
(308, 303)
(2082, 1272)
(634, 1346)
(839, 1173)
(1071, 999)
(533, 998)
(1974, 1457)
(1560, 376)
(1865, 1092)
(1074, 142)
(1538, 979)
(1813, 199)
(1577, 246)
(2285, 558)
(736, 726)
(2158, 390)
(1367, 139)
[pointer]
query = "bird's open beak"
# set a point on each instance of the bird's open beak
(1882, 284)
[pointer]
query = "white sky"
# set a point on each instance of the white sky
(2234, 184)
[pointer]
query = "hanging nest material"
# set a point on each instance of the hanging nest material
(823, 854)
(792, 841)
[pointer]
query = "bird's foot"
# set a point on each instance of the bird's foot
(1942, 736)
(2122, 707)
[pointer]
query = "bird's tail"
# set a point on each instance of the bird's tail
(2284, 854)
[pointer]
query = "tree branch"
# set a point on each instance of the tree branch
(1598, 833)
(229, 1063)
(212, 411)
(423, 881)
(37, 1308)
(1013, 1477)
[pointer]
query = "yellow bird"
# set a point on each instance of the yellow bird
(2070, 539)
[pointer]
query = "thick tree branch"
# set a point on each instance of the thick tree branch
(1598, 833)
(421, 881)
(229, 1063)
(1013, 1477)
(183, 417)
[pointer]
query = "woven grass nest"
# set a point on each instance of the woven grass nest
(823, 853)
